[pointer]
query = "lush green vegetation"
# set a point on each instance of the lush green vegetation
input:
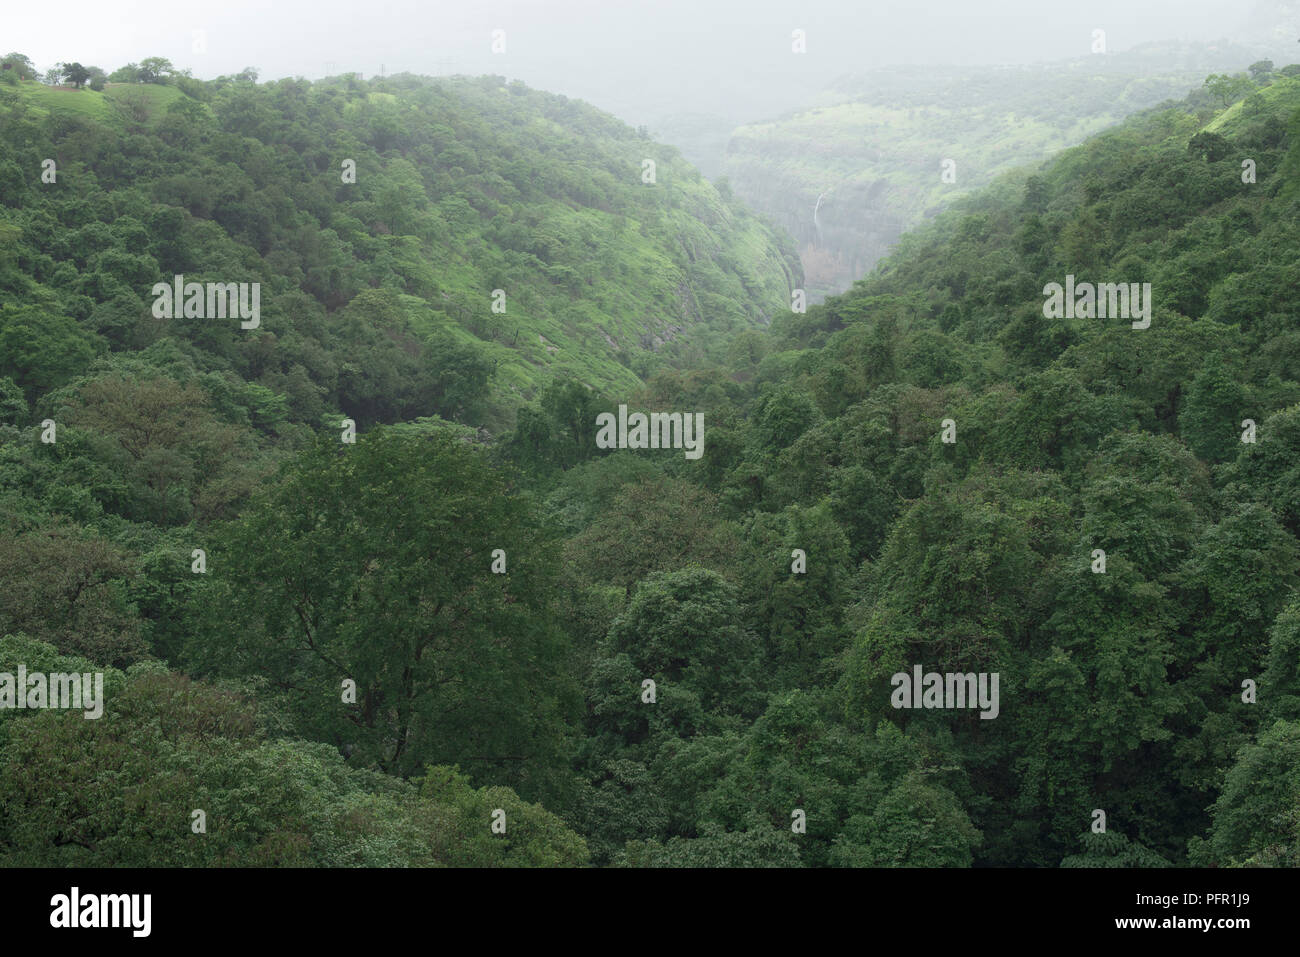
(377, 305)
(461, 188)
(617, 649)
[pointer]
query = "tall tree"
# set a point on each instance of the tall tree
(362, 586)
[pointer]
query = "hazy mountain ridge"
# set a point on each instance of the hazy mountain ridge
(871, 147)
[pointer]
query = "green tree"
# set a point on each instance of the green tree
(1211, 147)
(797, 613)
(1214, 405)
(1261, 70)
(68, 587)
(655, 525)
(41, 348)
(75, 73)
(13, 404)
(22, 66)
(684, 626)
(1113, 849)
(1256, 819)
(1227, 88)
(121, 791)
(372, 563)
(163, 438)
(155, 69)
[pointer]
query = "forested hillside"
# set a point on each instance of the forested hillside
(427, 251)
(441, 644)
(1158, 687)
(457, 189)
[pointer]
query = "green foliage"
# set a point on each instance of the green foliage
(121, 791)
(69, 587)
(756, 847)
(1255, 817)
(40, 348)
(655, 525)
(378, 293)
(683, 627)
(652, 681)
(394, 535)
(462, 837)
(1112, 849)
(1227, 88)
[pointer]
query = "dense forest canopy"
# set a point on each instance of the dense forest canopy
(474, 636)
(496, 232)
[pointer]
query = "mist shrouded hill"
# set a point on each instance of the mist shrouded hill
(645, 61)
(874, 154)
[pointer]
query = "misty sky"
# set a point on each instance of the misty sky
(637, 59)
